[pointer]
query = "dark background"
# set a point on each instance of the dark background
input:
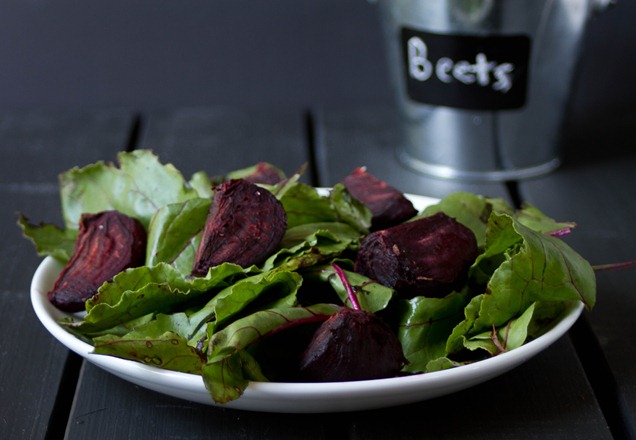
(300, 53)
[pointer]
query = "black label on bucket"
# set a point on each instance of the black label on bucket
(469, 72)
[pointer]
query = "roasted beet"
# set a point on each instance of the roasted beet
(244, 226)
(428, 257)
(388, 206)
(264, 172)
(108, 243)
(352, 345)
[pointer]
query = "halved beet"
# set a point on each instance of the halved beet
(244, 226)
(388, 206)
(108, 242)
(352, 345)
(428, 257)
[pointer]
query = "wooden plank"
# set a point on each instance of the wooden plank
(108, 407)
(215, 140)
(347, 138)
(544, 398)
(36, 146)
(595, 189)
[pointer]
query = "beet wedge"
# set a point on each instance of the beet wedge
(425, 257)
(388, 206)
(352, 344)
(108, 243)
(245, 224)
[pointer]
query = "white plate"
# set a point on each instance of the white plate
(295, 397)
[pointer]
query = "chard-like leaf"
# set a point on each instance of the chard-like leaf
(424, 326)
(278, 287)
(246, 331)
(202, 184)
(49, 239)
(174, 233)
(372, 296)
(227, 379)
(350, 210)
(167, 350)
(305, 204)
(312, 243)
(158, 289)
(505, 338)
(138, 187)
(536, 220)
(534, 267)
(473, 211)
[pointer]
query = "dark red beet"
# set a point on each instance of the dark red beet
(264, 173)
(352, 345)
(244, 226)
(388, 206)
(428, 257)
(108, 243)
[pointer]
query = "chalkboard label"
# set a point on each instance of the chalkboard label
(469, 72)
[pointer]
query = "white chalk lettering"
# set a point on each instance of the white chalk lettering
(502, 74)
(420, 67)
(443, 67)
(483, 71)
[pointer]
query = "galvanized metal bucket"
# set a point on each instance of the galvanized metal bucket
(482, 86)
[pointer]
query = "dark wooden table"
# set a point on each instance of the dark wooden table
(584, 386)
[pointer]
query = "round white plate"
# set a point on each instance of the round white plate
(295, 397)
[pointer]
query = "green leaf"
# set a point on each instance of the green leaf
(202, 184)
(534, 267)
(473, 211)
(371, 295)
(49, 239)
(350, 210)
(246, 331)
(138, 188)
(304, 204)
(424, 326)
(312, 243)
(278, 287)
(174, 233)
(167, 350)
(158, 289)
(227, 379)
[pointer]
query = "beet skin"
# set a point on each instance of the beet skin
(108, 243)
(245, 224)
(388, 206)
(426, 257)
(352, 345)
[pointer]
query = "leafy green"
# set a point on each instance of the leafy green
(139, 291)
(49, 239)
(532, 268)
(167, 350)
(174, 233)
(138, 188)
(425, 325)
(473, 211)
